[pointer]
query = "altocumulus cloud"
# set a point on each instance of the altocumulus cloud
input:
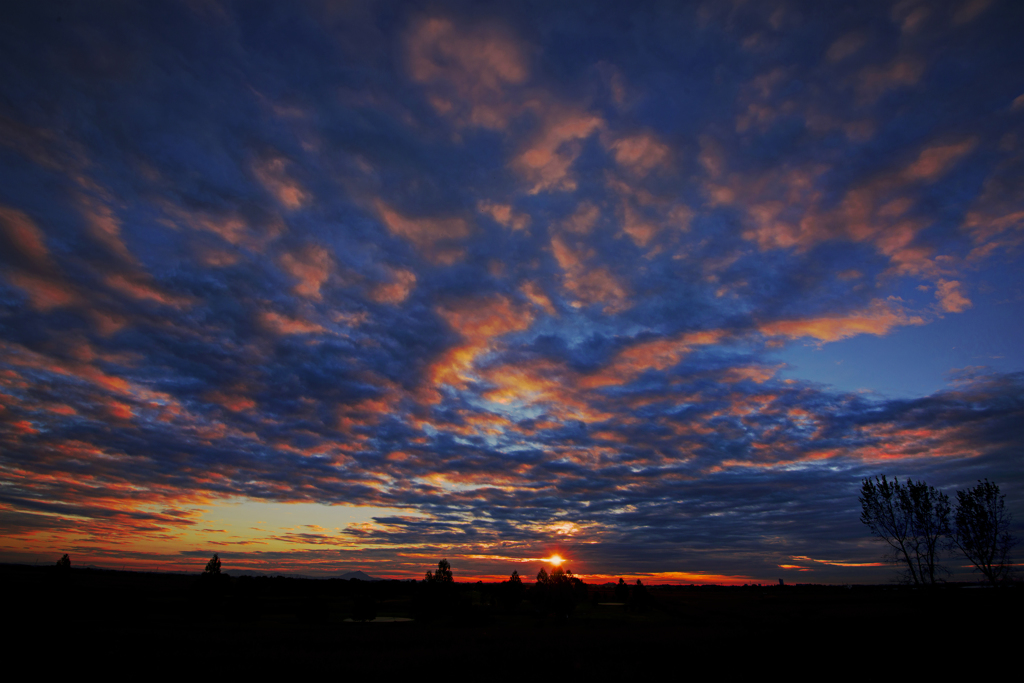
(513, 281)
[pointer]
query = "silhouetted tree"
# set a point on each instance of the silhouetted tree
(912, 518)
(639, 597)
(513, 589)
(558, 592)
(621, 591)
(64, 562)
(981, 530)
(439, 595)
(213, 566)
(443, 575)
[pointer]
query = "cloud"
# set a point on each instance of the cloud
(875, 81)
(547, 160)
(492, 297)
(878, 319)
(639, 154)
(29, 265)
(273, 174)
(935, 161)
(951, 299)
(534, 293)
(845, 46)
(283, 324)
(396, 290)
(311, 265)
(480, 323)
(467, 70)
(437, 239)
(504, 214)
(588, 284)
(970, 10)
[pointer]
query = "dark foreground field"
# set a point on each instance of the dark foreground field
(110, 625)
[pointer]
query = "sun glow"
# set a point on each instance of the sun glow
(555, 560)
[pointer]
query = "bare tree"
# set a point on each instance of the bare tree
(981, 530)
(912, 518)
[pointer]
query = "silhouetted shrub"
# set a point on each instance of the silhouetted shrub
(64, 563)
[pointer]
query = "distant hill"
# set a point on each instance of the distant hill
(359, 575)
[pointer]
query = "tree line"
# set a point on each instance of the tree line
(919, 524)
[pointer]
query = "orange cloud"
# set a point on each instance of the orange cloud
(230, 227)
(845, 46)
(44, 293)
(640, 154)
(582, 221)
(311, 266)
(935, 161)
(542, 382)
(273, 174)
(397, 289)
(996, 220)
(37, 275)
(105, 228)
(466, 71)
(657, 354)
(433, 237)
(875, 81)
(234, 402)
(281, 324)
(546, 162)
(969, 11)
(480, 322)
(504, 215)
(590, 285)
(137, 287)
(483, 319)
(878, 320)
(951, 299)
(534, 293)
(25, 236)
(637, 226)
(804, 558)
(755, 373)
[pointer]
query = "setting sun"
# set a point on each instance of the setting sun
(555, 560)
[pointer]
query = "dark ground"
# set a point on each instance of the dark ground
(87, 623)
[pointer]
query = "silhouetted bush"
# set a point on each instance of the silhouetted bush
(64, 563)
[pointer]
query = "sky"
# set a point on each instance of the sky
(324, 287)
